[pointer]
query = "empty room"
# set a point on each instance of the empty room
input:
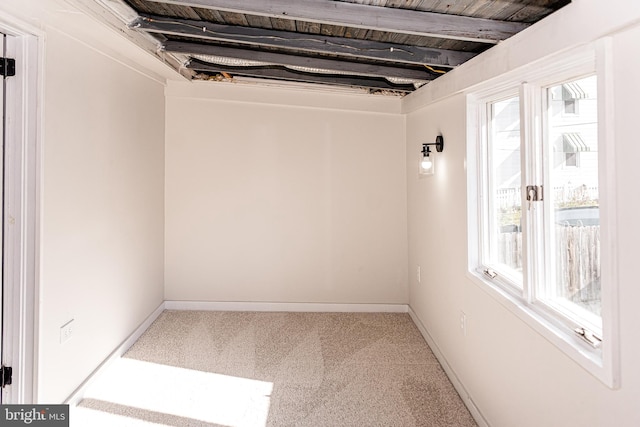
(320, 213)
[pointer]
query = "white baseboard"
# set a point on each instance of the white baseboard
(78, 394)
(462, 391)
(285, 306)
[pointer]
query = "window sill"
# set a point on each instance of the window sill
(589, 358)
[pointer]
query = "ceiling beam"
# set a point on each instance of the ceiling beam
(299, 61)
(301, 77)
(316, 43)
(393, 20)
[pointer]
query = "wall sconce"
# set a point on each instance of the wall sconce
(427, 162)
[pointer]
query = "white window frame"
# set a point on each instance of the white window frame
(602, 362)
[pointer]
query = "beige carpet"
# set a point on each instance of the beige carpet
(196, 368)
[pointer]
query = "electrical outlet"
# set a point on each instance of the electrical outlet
(418, 274)
(463, 323)
(66, 331)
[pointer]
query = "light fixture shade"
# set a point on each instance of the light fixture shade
(427, 162)
(427, 165)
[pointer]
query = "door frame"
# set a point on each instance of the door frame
(2, 100)
(22, 208)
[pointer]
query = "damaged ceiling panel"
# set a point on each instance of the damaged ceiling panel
(379, 46)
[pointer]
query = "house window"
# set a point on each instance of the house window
(570, 93)
(536, 240)
(571, 159)
(570, 106)
(571, 144)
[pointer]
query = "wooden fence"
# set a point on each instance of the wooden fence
(577, 261)
(510, 249)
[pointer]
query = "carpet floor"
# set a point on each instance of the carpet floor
(199, 368)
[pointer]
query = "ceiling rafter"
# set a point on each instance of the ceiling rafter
(346, 47)
(300, 61)
(393, 20)
(280, 73)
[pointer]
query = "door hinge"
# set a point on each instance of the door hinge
(7, 67)
(6, 375)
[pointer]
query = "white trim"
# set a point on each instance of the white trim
(285, 306)
(608, 213)
(77, 396)
(22, 208)
(459, 386)
(284, 95)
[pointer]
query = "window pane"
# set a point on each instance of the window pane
(504, 170)
(574, 226)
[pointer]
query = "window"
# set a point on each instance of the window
(567, 95)
(571, 159)
(537, 241)
(571, 144)
(570, 106)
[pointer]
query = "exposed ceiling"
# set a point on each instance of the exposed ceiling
(380, 46)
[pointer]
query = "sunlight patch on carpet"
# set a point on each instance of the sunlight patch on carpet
(203, 396)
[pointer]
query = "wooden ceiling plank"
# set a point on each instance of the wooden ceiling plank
(259, 21)
(451, 6)
(283, 24)
(405, 4)
(304, 42)
(181, 12)
(497, 9)
(308, 27)
(332, 30)
(142, 7)
(530, 13)
(526, 11)
(234, 18)
(209, 15)
(477, 8)
(373, 17)
(506, 13)
(356, 33)
(299, 61)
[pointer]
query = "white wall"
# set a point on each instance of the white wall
(271, 196)
(513, 375)
(102, 147)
